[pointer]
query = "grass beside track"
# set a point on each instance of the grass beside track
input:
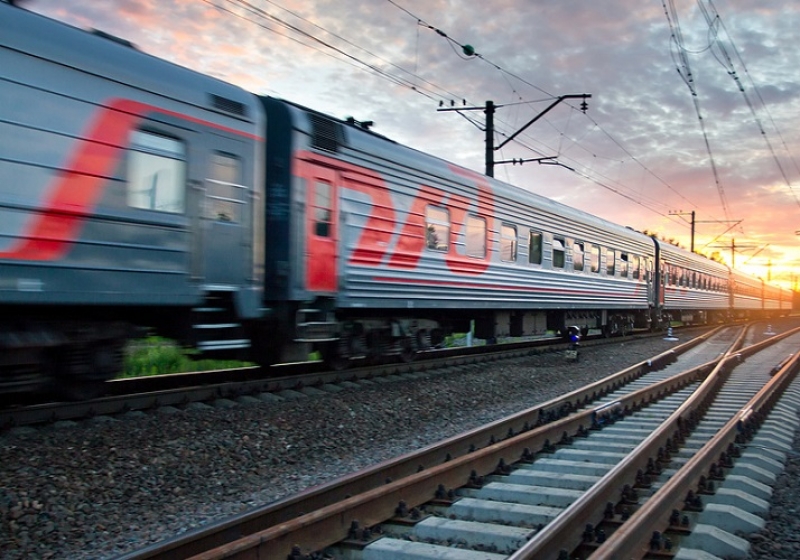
(157, 356)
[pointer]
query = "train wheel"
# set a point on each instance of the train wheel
(265, 345)
(333, 358)
(408, 350)
(377, 347)
(81, 372)
(338, 363)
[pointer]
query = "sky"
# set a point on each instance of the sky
(694, 103)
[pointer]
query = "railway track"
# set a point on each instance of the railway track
(449, 494)
(146, 393)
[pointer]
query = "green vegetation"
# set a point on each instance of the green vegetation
(156, 356)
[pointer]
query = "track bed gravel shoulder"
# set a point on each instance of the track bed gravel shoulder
(99, 488)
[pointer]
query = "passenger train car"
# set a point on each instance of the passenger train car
(137, 193)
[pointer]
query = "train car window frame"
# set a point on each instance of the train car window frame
(475, 236)
(594, 259)
(323, 208)
(508, 243)
(437, 228)
(559, 258)
(226, 194)
(152, 156)
(637, 267)
(624, 265)
(535, 246)
(611, 262)
(578, 256)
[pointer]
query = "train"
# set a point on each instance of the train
(139, 194)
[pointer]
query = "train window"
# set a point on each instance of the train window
(623, 264)
(156, 173)
(636, 266)
(475, 244)
(225, 191)
(535, 247)
(610, 262)
(595, 258)
(558, 252)
(508, 243)
(437, 227)
(577, 256)
(323, 209)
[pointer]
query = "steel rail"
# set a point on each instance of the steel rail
(632, 539)
(566, 531)
(215, 535)
(373, 500)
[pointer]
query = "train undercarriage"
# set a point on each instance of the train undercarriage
(71, 359)
(385, 334)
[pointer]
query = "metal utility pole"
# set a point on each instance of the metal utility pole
(490, 109)
(679, 213)
(489, 138)
(733, 247)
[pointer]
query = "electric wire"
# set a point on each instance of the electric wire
(506, 74)
(714, 21)
(435, 91)
(355, 61)
(684, 70)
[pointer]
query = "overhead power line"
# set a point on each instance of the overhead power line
(306, 32)
(714, 21)
(685, 71)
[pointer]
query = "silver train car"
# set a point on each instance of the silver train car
(689, 288)
(137, 193)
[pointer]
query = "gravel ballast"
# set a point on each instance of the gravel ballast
(102, 487)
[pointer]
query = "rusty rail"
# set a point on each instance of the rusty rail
(566, 531)
(515, 433)
(632, 539)
(331, 523)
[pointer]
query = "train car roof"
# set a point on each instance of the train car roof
(677, 256)
(393, 154)
(117, 60)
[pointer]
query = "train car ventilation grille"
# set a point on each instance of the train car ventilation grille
(327, 134)
(227, 105)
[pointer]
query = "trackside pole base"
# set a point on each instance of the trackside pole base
(670, 336)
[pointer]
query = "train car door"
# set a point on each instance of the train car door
(223, 215)
(321, 229)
